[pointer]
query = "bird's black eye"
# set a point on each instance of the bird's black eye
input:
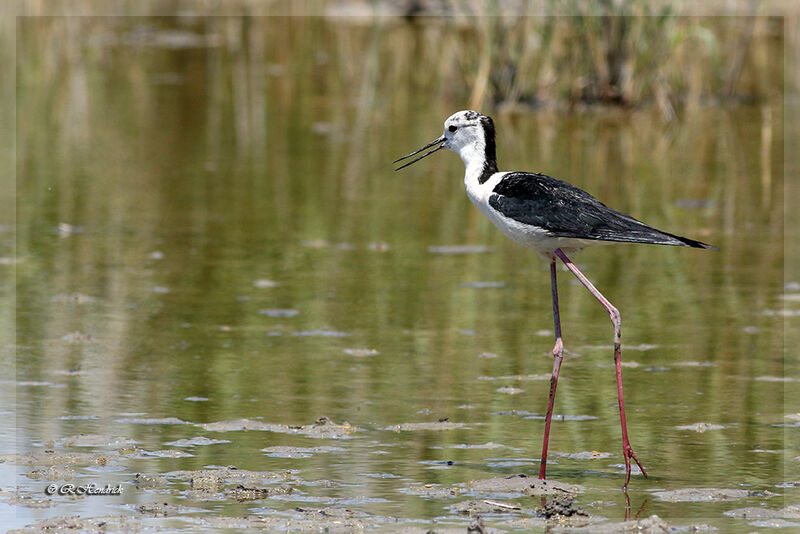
(453, 128)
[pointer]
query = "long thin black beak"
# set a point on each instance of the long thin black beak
(425, 155)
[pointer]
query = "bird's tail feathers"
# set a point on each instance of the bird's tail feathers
(686, 242)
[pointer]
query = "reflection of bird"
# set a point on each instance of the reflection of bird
(551, 217)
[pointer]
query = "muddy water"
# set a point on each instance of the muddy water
(230, 306)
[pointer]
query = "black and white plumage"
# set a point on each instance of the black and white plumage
(562, 210)
(536, 210)
(551, 217)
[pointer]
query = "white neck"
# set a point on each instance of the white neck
(473, 155)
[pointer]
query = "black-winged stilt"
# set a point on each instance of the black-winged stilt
(551, 217)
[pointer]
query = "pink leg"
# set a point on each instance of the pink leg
(558, 350)
(627, 450)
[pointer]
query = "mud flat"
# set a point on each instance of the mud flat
(160, 496)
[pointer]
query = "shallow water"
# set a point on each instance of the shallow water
(210, 230)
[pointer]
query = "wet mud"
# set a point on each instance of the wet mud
(221, 498)
(709, 494)
(322, 428)
(523, 484)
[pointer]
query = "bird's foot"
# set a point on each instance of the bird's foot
(627, 452)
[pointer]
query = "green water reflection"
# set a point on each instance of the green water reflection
(180, 186)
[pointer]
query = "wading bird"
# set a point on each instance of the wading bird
(551, 217)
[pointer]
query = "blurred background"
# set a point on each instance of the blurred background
(206, 209)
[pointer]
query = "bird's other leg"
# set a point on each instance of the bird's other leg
(627, 450)
(558, 350)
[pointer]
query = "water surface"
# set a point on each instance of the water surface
(209, 229)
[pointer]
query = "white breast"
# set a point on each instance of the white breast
(479, 193)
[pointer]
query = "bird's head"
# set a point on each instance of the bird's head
(469, 133)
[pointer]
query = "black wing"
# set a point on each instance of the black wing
(564, 210)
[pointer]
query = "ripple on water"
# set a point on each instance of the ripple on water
(192, 442)
(320, 333)
(587, 455)
(487, 284)
(278, 312)
(516, 377)
(512, 462)
(413, 427)
(775, 379)
(700, 427)
(437, 464)
(487, 445)
(165, 453)
(152, 421)
(361, 352)
(298, 452)
(460, 249)
(381, 475)
(509, 390)
(263, 283)
(563, 417)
